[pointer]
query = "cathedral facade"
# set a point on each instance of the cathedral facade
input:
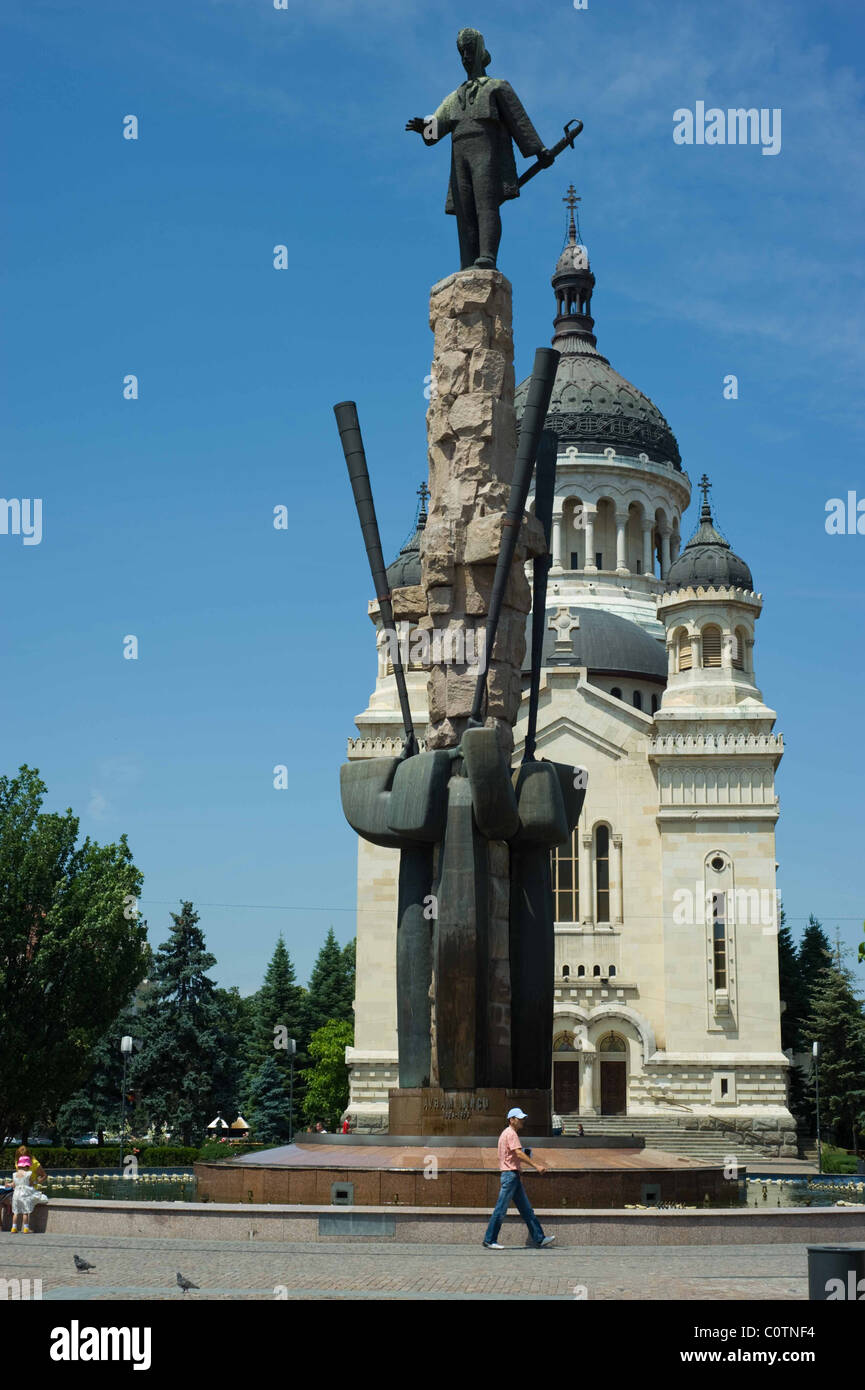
(666, 972)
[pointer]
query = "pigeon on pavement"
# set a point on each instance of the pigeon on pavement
(82, 1265)
(185, 1284)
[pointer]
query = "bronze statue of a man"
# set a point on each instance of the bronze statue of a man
(482, 116)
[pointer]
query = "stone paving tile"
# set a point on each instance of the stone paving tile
(143, 1268)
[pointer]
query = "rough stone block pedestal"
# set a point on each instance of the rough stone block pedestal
(472, 438)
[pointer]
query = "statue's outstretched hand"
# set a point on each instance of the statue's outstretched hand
(416, 123)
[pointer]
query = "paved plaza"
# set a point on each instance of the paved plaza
(143, 1268)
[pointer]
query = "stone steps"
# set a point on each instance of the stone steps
(662, 1132)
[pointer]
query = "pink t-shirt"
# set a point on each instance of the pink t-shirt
(509, 1142)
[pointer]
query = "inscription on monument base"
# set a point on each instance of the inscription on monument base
(481, 1111)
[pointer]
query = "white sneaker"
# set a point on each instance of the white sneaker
(492, 1245)
(547, 1240)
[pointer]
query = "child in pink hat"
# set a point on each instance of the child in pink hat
(24, 1196)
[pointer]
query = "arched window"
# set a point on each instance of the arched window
(683, 649)
(638, 700)
(566, 880)
(611, 1043)
(654, 704)
(566, 970)
(602, 874)
(617, 692)
(719, 939)
(712, 645)
(739, 649)
(596, 970)
(611, 972)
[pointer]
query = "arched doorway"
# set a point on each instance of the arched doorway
(613, 1059)
(566, 1075)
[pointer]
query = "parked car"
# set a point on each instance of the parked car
(86, 1139)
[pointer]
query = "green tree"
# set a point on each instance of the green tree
(327, 1079)
(330, 994)
(268, 1104)
(790, 987)
(814, 955)
(235, 1013)
(279, 1014)
(72, 949)
(278, 1011)
(837, 1024)
(185, 1072)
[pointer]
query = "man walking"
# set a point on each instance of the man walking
(511, 1157)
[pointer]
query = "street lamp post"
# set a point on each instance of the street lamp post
(125, 1048)
(815, 1052)
(292, 1048)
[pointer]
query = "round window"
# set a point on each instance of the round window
(717, 863)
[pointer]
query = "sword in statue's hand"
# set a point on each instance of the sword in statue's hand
(572, 130)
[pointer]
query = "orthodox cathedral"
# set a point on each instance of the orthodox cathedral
(667, 1011)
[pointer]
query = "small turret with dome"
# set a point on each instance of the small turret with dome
(405, 570)
(709, 613)
(707, 558)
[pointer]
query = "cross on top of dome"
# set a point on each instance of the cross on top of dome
(705, 487)
(571, 199)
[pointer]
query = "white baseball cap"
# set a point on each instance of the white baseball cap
(517, 1114)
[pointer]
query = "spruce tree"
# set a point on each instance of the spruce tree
(279, 1010)
(268, 1104)
(790, 988)
(182, 1075)
(330, 994)
(814, 954)
(837, 1023)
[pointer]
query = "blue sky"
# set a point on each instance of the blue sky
(155, 257)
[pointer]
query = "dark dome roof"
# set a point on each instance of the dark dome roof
(405, 569)
(707, 560)
(591, 403)
(604, 643)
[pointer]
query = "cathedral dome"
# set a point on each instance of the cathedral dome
(591, 403)
(405, 570)
(603, 642)
(707, 559)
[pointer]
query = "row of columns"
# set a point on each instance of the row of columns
(669, 543)
(727, 646)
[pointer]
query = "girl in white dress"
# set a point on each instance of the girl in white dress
(24, 1197)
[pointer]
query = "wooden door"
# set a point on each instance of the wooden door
(614, 1086)
(566, 1088)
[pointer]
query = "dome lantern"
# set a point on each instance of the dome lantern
(591, 405)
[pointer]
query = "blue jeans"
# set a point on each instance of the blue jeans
(512, 1190)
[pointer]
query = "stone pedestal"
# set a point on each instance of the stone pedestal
(471, 436)
(481, 1111)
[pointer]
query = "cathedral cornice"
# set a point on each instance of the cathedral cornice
(717, 745)
(723, 594)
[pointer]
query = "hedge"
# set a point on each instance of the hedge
(103, 1156)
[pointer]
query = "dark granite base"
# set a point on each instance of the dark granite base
(465, 1174)
(429, 1110)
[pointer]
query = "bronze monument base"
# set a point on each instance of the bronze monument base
(483, 1111)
